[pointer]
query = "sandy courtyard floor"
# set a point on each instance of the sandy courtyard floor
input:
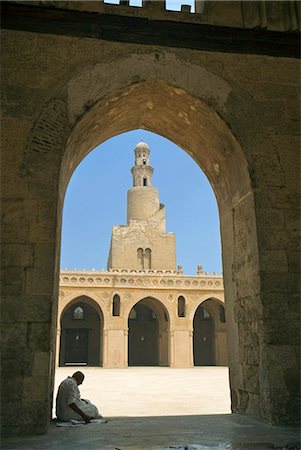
(154, 391)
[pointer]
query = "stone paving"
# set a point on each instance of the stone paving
(159, 408)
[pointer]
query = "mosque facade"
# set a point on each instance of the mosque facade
(141, 311)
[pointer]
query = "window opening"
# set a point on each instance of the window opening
(181, 306)
(144, 182)
(148, 259)
(140, 258)
(78, 313)
(222, 315)
(204, 314)
(116, 305)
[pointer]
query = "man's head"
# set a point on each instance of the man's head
(79, 377)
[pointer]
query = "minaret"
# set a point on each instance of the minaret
(143, 243)
(142, 199)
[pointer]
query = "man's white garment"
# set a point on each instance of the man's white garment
(68, 393)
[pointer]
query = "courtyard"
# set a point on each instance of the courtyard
(157, 408)
(154, 391)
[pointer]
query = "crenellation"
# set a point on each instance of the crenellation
(258, 14)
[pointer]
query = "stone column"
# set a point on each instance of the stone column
(57, 350)
(116, 346)
(190, 348)
(182, 342)
(171, 348)
(126, 347)
(105, 348)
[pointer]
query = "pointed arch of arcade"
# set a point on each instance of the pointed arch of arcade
(209, 332)
(157, 97)
(81, 341)
(149, 323)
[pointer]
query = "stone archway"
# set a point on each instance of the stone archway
(209, 334)
(81, 336)
(148, 334)
(193, 99)
(216, 151)
(203, 338)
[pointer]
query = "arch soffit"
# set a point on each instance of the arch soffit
(148, 98)
(91, 298)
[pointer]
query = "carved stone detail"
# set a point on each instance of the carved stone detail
(151, 279)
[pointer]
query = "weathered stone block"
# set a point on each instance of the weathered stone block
(13, 388)
(22, 100)
(47, 209)
(14, 336)
(33, 413)
(273, 239)
(16, 215)
(281, 199)
(12, 280)
(236, 376)
(32, 308)
(39, 281)
(294, 261)
(16, 361)
(273, 261)
(278, 332)
(44, 255)
(17, 255)
(42, 232)
(250, 356)
(274, 282)
(41, 363)
(39, 336)
(268, 171)
(248, 309)
(37, 385)
(274, 305)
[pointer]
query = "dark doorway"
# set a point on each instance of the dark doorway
(81, 334)
(76, 347)
(203, 338)
(143, 337)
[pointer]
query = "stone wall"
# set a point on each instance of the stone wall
(236, 115)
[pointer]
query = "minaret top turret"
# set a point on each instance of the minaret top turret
(142, 152)
(142, 171)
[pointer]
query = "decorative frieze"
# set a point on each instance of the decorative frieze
(142, 279)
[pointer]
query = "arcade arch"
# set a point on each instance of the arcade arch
(148, 334)
(80, 333)
(209, 334)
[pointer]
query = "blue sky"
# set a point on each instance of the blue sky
(96, 200)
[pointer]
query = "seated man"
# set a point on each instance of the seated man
(69, 405)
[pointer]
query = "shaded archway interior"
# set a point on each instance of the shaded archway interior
(148, 329)
(209, 334)
(81, 333)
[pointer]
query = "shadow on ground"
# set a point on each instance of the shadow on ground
(216, 432)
